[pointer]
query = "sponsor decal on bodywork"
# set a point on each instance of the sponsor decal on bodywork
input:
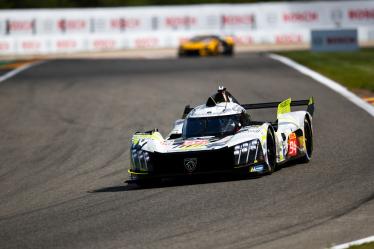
(190, 144)
(292, 145)
(154, 136)
(257, 168)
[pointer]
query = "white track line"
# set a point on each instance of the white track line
(354, 243)
(327, 82)
(18, 70)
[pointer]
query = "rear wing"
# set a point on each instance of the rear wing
(283, 106)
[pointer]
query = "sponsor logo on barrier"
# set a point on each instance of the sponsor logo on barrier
(288, 39)
(104, 44)
(125, 23)
(146, 42)
(72, 24)
(66, 44)
(297, 17)
(238, 20)
(180, 21)
(20, 26)
(4, 46)
(30, 45)
(243, 40)
(102, 28)
(341, 40)
(361, 14)
(334, 40)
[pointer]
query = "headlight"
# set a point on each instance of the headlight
(140, 160)
(247, 152)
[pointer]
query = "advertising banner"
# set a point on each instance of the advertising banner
(334, 40)
(97, 29)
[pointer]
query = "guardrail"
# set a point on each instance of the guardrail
(74, 30)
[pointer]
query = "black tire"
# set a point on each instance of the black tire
(271, 153)
(308, 136)
(229, 51)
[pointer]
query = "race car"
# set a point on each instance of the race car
(207, 45)
(221, 137)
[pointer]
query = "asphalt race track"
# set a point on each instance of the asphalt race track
(65, 127)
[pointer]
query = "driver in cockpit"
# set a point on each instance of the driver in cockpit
(222, 95)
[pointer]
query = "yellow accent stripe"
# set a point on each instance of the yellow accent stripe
(284, 107)
(137, 173)
(154, 136)
(311, 101)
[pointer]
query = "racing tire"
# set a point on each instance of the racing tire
(271, 153)
(308, 137)
(229, 51)
(181, 53)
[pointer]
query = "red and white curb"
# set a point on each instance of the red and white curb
(335, 86)
(370, 100)
(354, 243)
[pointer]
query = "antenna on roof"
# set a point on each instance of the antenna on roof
(221, 88)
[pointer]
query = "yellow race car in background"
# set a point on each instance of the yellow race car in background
(205, 45)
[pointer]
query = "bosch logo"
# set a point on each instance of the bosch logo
(190, 164)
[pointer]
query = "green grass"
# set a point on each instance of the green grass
(4, 62)
(355, 70)
(363, 246)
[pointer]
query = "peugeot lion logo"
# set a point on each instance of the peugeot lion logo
(190, 164)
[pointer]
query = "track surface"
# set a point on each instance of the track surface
(65, 128)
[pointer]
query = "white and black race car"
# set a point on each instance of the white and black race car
(220, 137)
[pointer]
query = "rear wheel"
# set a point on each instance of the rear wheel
(229, 50)
(270, 151)
(308, 137)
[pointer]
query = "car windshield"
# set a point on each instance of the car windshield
(201, 38)
(211, 126)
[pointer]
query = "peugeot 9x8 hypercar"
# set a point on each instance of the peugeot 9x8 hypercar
(220, 137)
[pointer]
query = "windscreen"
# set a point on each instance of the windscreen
(211, 126)
(201, 38)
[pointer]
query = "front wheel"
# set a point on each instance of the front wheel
(270, 152)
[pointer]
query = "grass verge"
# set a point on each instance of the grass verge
(355, 69)
(363, 246)
(4, 62)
